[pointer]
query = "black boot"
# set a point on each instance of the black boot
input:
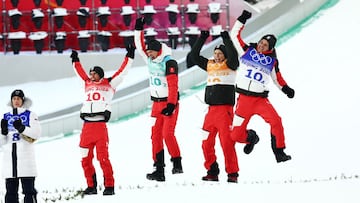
(109, 191)
(177, 165)
(91, 190)
(212, 173)
(279, 152)
(253, 139)
(158, 174)
(233, 177)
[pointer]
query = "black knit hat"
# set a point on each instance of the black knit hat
(18, 93)
(154, 45)
(98, 70)
(271, 40)
(222, 48)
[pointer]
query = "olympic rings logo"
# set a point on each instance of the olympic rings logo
(261, 58)
(11, 119)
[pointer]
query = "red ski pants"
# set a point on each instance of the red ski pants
(163, 130)
(218, 120)
(95, 135)
(246, 107)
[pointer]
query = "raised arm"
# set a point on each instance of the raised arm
(194, 54)
(116, 79)
(139, 38)
(232, 56)
(235, 33)
(79, 70)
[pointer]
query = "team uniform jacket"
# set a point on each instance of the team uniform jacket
(95, 112)
(220, 96)
(18, 153)
(163, 77)
(253, 75)
(98, 95)
(163, 83)
(256, 69)
(221, 76)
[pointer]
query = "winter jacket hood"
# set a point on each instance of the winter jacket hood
(26, 104)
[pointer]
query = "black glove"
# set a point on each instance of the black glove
(4, 127)
(74, 56)
(19, 126)
(107, 115)
(244, 16)
(130, 48)
(225, 35)
(204, 34)
(139, 25)
(168, 110)
(288, 91)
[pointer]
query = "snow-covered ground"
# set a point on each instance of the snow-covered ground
(321, 127)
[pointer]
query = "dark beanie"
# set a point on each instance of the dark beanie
(18, 93)
(154, 45)
(271, 40)
(98, 70)
(222, 48)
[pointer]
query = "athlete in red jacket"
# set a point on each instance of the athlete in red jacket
(95, 112)
(258, 64)
(163, 80)
(220, 96)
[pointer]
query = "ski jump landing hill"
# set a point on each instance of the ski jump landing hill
(278, 20)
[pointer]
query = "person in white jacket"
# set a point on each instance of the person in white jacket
(20, 128)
